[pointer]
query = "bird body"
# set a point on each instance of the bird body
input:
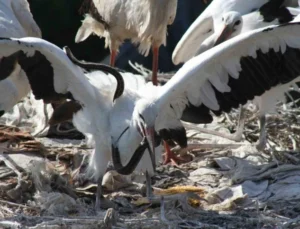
(52, 76)
(210, 22)
(144, 22)
(228, 75)
(15, 21)
(131, 138)
(233, 23)
(13, 89)
(207, 23)
(119, 119)
(263, 62)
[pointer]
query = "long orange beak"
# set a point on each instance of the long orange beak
(225, 34)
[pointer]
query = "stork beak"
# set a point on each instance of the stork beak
(224, 35)
(149, 138)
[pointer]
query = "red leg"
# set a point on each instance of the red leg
(154, 64)
(171, 157)
(113, 55)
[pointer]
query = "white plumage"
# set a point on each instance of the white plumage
(98, 115)
(119, 117)
(233, 83)
(210, 22)
(15, 21)
(207, 23)
(273, 54)
(232, 24)
(144, 22)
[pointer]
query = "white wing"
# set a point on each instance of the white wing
(15, 21)
(294, 11)
(13, 89)
(271, 13)
(24, 16)
(52, 75)
(206, 23)
(235, 71)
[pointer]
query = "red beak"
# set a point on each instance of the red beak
(225, 34)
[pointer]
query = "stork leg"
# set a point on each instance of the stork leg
(238, 135)
(262, 135)
(149, 193)
(101, 201)
(155, 64)
(171, 157)
(113, 54)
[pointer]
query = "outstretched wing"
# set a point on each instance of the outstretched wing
(205, 24)
(230, 74)
(51, 75)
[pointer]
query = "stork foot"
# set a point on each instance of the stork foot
(149, 192)
(170, 157)
(262, 142)
(101, 201)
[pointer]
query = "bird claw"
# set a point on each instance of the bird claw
(103, 203)
(262, 142)
(170, 157)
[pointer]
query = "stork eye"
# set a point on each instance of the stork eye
(237, 22)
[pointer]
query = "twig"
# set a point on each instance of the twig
(10, 224)
(205, 146)
(270, 173)
(291, 157)
(292, 221)
(19, 205)
(234, 137)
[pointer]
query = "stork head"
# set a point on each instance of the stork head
(144, 117)
(231, 22)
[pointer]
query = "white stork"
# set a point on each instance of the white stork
(210, 22)
(233, 24)
(262, 62)
(143, 21)
(15, 21)
(94, 107)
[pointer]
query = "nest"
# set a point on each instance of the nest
(223, 184)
